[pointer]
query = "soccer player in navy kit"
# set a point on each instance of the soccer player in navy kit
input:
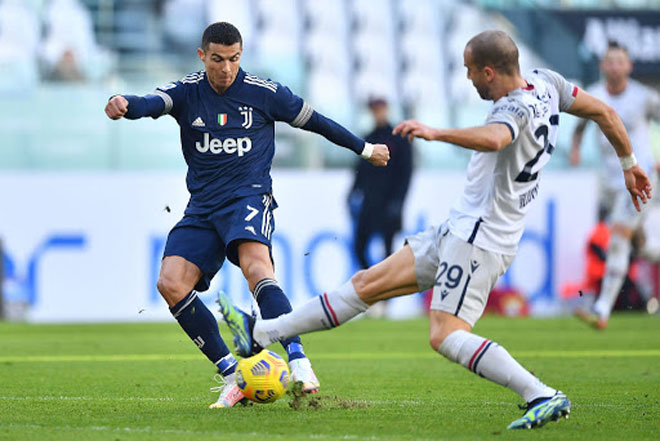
(227, 120)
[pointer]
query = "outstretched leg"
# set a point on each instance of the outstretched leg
(395, 276)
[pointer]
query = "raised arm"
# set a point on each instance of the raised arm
(487, 138)
(590, 107)
(376, 154)
(134, 107)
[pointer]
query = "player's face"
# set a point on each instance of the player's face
(476, 75)
(616, 65)
(221, 63)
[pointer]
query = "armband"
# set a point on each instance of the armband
(628, 162)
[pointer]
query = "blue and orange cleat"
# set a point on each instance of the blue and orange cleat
(241, 325)
(543, 410)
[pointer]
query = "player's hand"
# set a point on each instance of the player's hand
(380, 155)
(414, 129)
(116, 107)
(638, 185)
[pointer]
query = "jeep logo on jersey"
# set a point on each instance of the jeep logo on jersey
(228, 146)
(222, 119)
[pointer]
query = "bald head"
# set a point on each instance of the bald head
(495, 49)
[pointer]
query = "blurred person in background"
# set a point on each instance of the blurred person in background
(69, 51)
(637, 105)
(462, 259)
(378, 193)
(227, 117)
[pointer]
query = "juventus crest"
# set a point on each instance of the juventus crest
(246, 113)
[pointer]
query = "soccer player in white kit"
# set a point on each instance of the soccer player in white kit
(637, 105)
(462, 258)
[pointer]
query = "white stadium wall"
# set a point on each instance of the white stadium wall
(84, 247)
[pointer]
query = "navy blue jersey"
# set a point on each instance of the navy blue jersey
(228, 140)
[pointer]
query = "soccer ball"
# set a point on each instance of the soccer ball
(263, 378)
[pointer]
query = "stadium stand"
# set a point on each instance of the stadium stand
(335, 54)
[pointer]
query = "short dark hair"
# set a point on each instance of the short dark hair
(615, 45)
(496, 49)
(221, 33)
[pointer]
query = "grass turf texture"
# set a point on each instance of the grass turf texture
(379, 381)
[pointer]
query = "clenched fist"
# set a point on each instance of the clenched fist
(380, 155)
(116, 107)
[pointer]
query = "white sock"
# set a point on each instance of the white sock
(490, 360)
(616, 268)
(322, 312)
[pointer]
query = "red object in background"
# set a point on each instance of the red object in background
(596, 255)
(507, 302)
(501, 301)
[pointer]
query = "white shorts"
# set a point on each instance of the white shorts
(461, 274)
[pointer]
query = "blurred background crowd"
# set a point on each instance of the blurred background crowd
(58, 58)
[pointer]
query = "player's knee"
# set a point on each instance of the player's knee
(256, 271)
(435, 340)
(360, 283)
(171, 289)
(618, 255)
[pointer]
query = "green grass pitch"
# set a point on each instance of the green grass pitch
(379, 381)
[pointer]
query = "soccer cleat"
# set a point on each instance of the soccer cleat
(230, 394)
(543, 410)
(301, 371)
(241, 325)
(591, 318)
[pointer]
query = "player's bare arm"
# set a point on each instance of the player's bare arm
(116, 107)
(590, 107)
(487, 138)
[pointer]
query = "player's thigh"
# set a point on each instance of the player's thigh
(392, 277)
(464, 278)
(195, 240)
(425, 247)
(248, 219)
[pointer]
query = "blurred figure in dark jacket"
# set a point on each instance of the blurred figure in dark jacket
(378, 193)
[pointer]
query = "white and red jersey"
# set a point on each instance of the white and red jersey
(637, 105)
(501, 185)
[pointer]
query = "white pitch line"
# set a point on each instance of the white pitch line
(206, 433)
(587, 353)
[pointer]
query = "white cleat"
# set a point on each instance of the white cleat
(301, 370)
(230, 394)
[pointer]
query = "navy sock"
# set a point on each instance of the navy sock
(202, 328)
(272, 303)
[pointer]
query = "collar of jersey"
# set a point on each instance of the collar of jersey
(239, 79)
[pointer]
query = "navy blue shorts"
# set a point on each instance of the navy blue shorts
(206, 240)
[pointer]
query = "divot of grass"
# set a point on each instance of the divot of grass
(301, 400)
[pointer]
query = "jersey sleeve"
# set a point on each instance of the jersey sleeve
(567, 90)
(509, 112)
(173, 95)
(288, 107)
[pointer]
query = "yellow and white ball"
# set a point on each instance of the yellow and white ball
(264, 377)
